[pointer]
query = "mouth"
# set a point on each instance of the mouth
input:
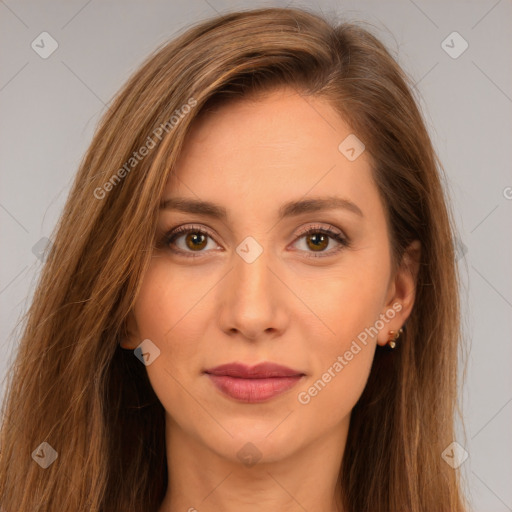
(253, 384)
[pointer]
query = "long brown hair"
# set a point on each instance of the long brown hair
(73, 387)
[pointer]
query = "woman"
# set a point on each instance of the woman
(220, 324)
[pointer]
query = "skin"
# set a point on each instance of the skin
(251, 156)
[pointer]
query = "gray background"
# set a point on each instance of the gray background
(50, 108)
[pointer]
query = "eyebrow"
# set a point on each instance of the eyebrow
(289, 209)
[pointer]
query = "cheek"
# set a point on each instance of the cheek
(168, 311)
(168, 296)
(342, 355)
(349, 300)
(342, 365)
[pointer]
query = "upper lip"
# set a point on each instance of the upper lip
(264, 370)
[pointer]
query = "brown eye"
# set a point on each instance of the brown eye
(195, 240)
(317, 241)
(189, 241)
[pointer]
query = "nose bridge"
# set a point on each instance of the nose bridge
(251, 262)
(253, 278)
(250, 299)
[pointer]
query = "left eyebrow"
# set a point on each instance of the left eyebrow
(289, 209)
(316, 204)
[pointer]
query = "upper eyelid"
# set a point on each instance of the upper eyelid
(318, 227)
(191, 227)
(184, 229)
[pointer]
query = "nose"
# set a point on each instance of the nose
(253, 300)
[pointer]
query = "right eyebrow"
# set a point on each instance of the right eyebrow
(195, 206)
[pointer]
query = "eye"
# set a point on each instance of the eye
(187, 240)
(316, 239)
(195, 239)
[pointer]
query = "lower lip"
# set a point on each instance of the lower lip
(253, 390)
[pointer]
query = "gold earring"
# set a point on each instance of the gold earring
(392, 342)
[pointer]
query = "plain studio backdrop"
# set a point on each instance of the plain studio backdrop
(62, 62)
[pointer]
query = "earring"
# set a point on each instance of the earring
(392, 341)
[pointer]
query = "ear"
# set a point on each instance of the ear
(401, 292)
(132, 340)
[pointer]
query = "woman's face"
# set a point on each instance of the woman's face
(250, 287)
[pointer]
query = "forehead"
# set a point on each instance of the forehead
(268, 149)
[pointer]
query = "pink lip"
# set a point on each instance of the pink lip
(253, 384)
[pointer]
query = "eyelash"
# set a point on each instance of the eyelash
(172, 235)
